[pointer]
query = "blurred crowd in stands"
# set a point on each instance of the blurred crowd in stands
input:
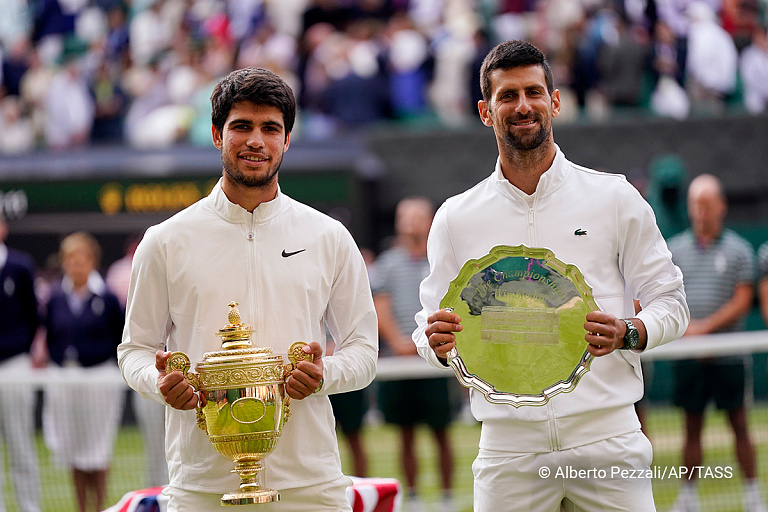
(140, 72)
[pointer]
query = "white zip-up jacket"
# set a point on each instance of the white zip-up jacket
(622, 256)
(293, 270)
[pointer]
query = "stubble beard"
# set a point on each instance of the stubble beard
(528, 143)
(257, 181)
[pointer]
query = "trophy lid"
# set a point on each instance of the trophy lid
(236, 342)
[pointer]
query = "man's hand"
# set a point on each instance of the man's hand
(440, 328)
(177, 392)
(306, 377)
(605, 333)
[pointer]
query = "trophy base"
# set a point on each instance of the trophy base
(250, 497)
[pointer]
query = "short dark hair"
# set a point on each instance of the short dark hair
(257, 85)
(513, 54)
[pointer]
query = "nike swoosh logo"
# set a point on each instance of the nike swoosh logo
(287, 254)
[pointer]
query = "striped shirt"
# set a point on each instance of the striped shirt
(762, 261)
(399, 275)
(710, 274)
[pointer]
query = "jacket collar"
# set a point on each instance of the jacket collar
(548, 182)
(95, 284)
(232, 212)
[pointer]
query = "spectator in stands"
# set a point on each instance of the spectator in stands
(83, 327)
(623, 64)
(18, 324)
(16, 127)
(399, 270)
(180, 285)
(110, 104)
(712, 61)
(536, 196)
(150, 414)
(754, 71)
(69, 105)
(762, 262)
(409, 68)
(150, 32)
(357, 93)
(719, 271)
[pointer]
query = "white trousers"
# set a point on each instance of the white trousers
(17, 426)
(327, 497)
(609, 475)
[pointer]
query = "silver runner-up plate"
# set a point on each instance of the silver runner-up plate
(523, 313)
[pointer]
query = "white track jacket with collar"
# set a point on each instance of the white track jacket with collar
(293, 270)
(622, 256)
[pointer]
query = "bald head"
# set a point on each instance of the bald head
(707, 206)
(413, 217)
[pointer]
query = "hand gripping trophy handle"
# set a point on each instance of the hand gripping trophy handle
(180, 361)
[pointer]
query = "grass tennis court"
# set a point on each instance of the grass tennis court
(664, 428)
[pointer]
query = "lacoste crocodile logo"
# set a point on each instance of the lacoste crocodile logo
(288, 254)
(580, 232)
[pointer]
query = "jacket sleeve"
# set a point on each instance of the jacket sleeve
(442, 269)
(648, 270)
(351, 320)
(147, 319)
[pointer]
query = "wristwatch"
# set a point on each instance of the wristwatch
(632, 337)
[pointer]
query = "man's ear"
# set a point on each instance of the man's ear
(485, 115)
(556, 103)
(216, 136)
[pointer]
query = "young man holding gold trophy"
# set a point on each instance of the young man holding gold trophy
(293, 271)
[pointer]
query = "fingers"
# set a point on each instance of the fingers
(305, 378)
(444, 320)
(602, 333)
(160, 360)
(315, 349)
(303, 381)
(442, 325)
(177, 392)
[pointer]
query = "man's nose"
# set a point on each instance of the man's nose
(255, 139)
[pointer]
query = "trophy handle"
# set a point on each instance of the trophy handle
(179, 361)
(296, 354)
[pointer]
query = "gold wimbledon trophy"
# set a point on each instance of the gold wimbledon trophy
(243, 389)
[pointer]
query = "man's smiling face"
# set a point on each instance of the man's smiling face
(520, 108)
(252, 144)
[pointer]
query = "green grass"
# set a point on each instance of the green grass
(664, 426)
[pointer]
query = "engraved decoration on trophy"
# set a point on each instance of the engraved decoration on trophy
(245, 403)
(523, 313)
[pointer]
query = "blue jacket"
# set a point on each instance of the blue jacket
(93, 334)
(18, 306)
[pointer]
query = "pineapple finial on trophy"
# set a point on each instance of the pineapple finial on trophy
(235, 334)
(234, 313)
